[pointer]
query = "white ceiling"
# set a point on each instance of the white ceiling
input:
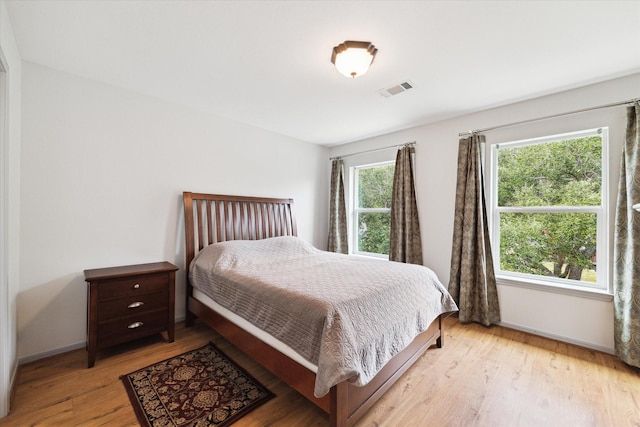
(267, 63)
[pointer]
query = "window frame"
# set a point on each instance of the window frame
(602, 285)
(355, 210)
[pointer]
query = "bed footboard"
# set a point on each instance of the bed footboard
(349, 403)
(345, 403)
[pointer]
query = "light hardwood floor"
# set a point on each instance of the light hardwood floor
(481, 377)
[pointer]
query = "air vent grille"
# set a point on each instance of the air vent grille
(395, 90)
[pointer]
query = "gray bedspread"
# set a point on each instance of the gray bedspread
(345, 314)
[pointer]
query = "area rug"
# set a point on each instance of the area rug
(203, 387)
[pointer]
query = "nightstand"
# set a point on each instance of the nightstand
(129, 302)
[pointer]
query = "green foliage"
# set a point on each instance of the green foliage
(529, 242)
(375, 237)
(560, 173)
(375, 185)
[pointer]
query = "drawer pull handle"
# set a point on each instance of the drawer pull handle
(135, 304)
(135, 325)
(136, 286)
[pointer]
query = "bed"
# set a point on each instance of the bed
(241, 224)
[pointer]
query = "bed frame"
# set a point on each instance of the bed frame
(211, 218)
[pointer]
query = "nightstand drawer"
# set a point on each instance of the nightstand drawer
(132, 327)
(132, 286)
(133, 305)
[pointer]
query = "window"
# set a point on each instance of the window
(549, 209)
(371, 221)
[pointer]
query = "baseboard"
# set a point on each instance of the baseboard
(49, 353)
(558, 338)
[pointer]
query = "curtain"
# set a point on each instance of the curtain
(405, 244)
(626, 252)
(338, 241)
(472, 281)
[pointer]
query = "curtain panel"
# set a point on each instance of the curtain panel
(472, 280)
(338, 240)
(626, 252)
(405, 243)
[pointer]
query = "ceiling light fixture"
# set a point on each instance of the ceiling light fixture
(352, 58)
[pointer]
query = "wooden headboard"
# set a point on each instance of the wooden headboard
(212, 218)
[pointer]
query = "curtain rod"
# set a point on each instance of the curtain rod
(373, 150)
(615, 104)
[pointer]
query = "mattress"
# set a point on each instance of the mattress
(253, 330)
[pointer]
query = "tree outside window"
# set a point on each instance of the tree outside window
(372, 208)
(549, 213)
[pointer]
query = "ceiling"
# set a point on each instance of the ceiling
(267, 63)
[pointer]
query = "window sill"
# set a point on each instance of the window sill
(379, 258)
(576, 291)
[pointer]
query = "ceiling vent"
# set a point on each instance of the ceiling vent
(394, 90)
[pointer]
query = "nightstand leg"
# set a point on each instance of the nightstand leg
(171, 332)
(92, 357)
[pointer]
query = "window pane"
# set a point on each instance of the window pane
(375, 186)
(373, 232)
(549, 244)
(559, 173)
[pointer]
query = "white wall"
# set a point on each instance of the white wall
(103, 171)
(572, 318)
(10, 205)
